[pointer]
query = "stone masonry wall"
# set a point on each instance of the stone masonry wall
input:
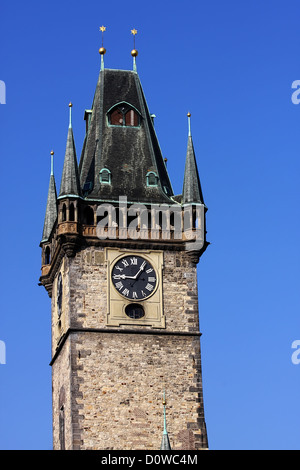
(88, 290)
(118, 384)
(116, 380)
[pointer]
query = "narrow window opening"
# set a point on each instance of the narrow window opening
(72, 212)
(64, 213)
(59, 295)
(47, 255)
(62, 427)
(88, 216)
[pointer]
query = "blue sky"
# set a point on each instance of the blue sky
(231, 64)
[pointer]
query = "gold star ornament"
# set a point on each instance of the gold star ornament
(134, 52)
(102, 49)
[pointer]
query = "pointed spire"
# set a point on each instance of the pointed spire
(51, 208)
(70, 115)
(134, 52)
(102, 49)
(192, 192)
(165, 442)
(189, 124)
(70, 185)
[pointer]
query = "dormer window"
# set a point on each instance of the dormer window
(116, 118)
(152, 178)
(123, 115)
(105, 176)
(131, 118)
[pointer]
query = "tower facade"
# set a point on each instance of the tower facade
(119, 262)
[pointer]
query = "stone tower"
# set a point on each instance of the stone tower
(119, 262)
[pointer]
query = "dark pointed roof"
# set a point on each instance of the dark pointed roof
(128, 152)
(51, 208)
(70, 185)
(192, 192)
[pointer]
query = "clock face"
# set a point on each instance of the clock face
(134, 277)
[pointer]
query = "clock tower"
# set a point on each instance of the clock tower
(119, 262)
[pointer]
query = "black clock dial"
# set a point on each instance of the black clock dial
(134, 277)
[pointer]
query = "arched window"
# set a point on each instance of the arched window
(123, 114)
(105, 176)
(152, 178)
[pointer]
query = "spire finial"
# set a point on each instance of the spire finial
(70, 114)
(189, 123)
(165, 443)
(134, 52)
(165, 419)
(102, 49)
(52, 154)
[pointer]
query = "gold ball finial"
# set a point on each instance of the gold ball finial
(134, 52)
(102, 49)
(188, 114)
(51, 153)
(70, 105)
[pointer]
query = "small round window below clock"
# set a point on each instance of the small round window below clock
(134, 311)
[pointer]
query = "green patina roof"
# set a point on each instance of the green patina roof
(51, 209)
(191, 192)
(70, 184)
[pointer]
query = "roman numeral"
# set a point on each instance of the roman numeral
(125, 263)
(133, 260)
(119, 285)
(149, 270)
(119, 268)
(151, 279)
(134, 295)
(149, 287)
(125, 292)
